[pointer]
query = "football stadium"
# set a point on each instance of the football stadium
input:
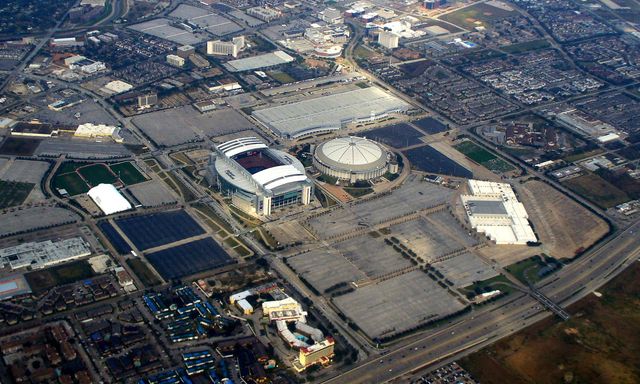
(258, 179)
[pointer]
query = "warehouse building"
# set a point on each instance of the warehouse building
(44, 253)
(108, 199)
(353, 158)
(92, 131)
(329, 113)
(494, 209)
(258, 179)
(266, 60)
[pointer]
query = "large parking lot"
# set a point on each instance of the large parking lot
(397, 304)
(190, 258)
(433, 236)
(371, 256)
(465, 269)
(161, 28)
(413, 196)
(181, 125)
(26, 219)
(206, 19)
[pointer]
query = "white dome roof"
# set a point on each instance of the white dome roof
(351, 151)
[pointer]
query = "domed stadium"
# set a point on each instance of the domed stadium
(351, 158)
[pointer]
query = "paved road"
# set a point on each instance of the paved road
(484, 327)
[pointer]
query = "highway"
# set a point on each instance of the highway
(484, 327)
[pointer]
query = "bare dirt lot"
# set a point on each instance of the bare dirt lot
(563, 225)
(600, 344)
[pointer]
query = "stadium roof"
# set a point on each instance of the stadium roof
(108, 199)
(352, 150)
(257, 62)
(330, 112)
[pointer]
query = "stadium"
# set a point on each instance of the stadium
(353, 158)
(258, 179)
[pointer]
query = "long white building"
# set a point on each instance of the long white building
(494, 209)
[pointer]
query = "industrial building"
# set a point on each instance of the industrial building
(108, 199)
(329, 113)
(117, 86)
(226, 48)
(266, 60)
(91, 131)
(44, 253)
(264, 13)
(258, 179)
(493, 209)
(353, 158)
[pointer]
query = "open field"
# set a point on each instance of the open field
(564, 226)
(483, 157)
(45, 279)
(148, 278)
(97, 174)
(482, 13)
(598, 190)
(600, 344)
(526, 46)
(13, 193)
(71, 182)
(397, 304)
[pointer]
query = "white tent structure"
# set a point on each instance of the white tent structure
(108, 199)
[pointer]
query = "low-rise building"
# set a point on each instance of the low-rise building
(90, 130)
(175, 60)
(264, 13)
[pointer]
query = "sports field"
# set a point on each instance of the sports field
(78, 177)
(190, 258)
(13, 193)
(483, 157)
(153, 230)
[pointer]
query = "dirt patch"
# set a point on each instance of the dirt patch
(599, 344)
(564, 226)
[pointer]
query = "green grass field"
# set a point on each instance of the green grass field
(483, 157)
(526, 46)
(281, 77)
(14, 193)
(499, 282)
(45, 279)
(597, 189)
(72, 182)
(146, 276)
(527, 270)
(98, 173)
(358, 192)
(127, 173)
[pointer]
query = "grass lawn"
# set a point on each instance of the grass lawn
(527, 270)
(13, 193)
(281, 77)
(146, 276)
(484, 13)
(362, 52)
(98, 173)
(69, 166)
(128, 173)
(582, 155)
(483, 157)
(358, 192)
(526, 46)
(598, 190)
(600, 344)
(45, 279)
(72, 182)
(499, 282)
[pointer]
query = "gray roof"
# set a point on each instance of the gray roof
(257, 62)
(329, 112)
(486, 207)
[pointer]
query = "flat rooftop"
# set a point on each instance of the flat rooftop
(330, 112)
(256, 62)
